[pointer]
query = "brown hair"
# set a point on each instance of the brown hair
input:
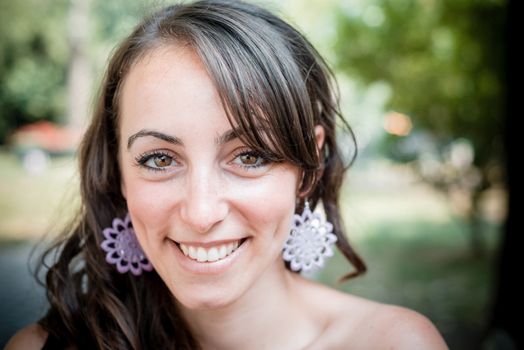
(275, 88)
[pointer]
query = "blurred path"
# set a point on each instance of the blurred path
(22, 300)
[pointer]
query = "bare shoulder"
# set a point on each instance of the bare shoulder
(403, 328)
(381, 326)
(359, 323)
(30, 337)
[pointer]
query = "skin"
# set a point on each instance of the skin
(204, 194)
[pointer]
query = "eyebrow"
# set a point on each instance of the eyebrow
(227, 136)
(220, 140)
(159, 135)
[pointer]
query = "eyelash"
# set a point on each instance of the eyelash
(264, 159)
(143, 158)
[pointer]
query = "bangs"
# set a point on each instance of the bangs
(261, 87)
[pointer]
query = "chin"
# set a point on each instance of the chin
(206, 297)
(206, 302)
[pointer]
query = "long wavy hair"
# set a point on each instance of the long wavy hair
(274, 87)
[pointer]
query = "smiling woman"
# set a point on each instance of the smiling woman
(213, 139)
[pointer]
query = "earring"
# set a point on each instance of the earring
(123, 249)
(310, 241)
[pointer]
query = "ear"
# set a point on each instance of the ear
(319, 136)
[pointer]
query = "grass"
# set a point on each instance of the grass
(33, 204)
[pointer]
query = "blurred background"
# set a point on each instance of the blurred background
(422, 83)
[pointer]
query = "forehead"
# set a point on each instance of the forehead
(168, 85)
(166, 70)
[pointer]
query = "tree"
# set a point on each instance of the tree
(33, 61)
(49, 50)
(444, 61)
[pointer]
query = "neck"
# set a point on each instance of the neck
(271, 314)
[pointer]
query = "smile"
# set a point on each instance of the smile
(212, 253)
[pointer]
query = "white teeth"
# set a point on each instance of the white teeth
(192, 252)
(212, 254)
(222, 252)
(201, 254)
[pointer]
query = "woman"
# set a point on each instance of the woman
(215, 125)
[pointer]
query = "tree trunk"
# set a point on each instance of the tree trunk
(478, 245)
(79, 75)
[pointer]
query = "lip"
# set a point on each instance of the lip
(209, 267)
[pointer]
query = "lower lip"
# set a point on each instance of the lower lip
(208, 267)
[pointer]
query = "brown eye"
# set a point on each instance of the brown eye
(157, 161)
(162, 161)
(249, 159)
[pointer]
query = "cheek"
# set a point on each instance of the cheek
(268, 207)
(148, 199)
(148, 206)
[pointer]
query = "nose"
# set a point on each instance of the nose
(203, 205)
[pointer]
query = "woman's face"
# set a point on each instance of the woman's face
(193, 189)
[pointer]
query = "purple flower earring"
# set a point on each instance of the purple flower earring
(310, 241)
(123, 249)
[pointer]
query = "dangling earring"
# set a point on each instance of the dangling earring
(123, 249)
(310, 241)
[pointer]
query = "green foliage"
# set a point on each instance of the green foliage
(443, 60)
(35, 53)
(33, 62)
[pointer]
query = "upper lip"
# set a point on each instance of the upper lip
(209, 244)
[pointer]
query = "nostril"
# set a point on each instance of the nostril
(201, 213)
